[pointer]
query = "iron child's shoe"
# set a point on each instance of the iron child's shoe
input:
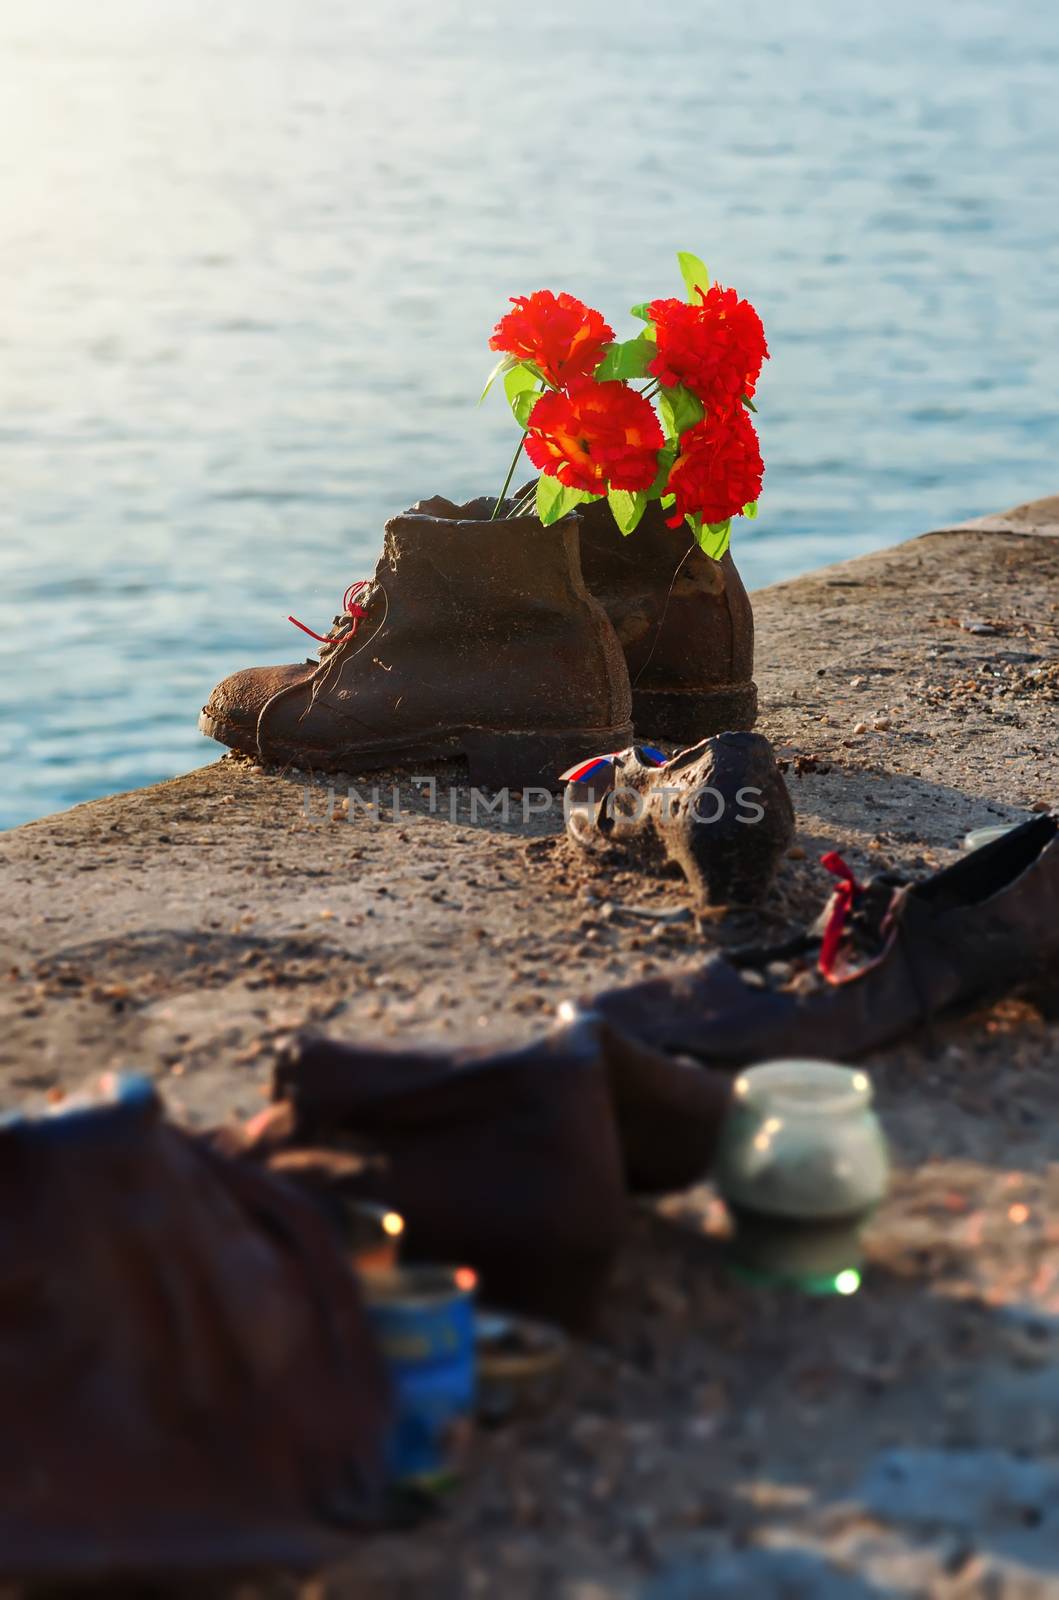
(720, 811)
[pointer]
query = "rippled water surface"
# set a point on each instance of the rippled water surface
(251, 252)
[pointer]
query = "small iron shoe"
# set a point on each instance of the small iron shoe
(719, 810)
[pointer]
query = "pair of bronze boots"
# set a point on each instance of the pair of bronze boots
(519, 647)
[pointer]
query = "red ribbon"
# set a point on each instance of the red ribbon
(350, 608)
(841, 905)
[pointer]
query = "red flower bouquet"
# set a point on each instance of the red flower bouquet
(596, 437)
(718, 467)
(570, 387)
(561, 336)
(714, 347)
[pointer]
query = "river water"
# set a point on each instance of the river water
(251, 253)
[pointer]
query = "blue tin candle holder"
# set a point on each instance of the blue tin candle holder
(424, 1321)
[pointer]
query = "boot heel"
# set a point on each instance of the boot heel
(524, 760)
(685, 717)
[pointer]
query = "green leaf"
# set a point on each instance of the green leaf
(641, 311)
(523, 404)
(520, 378)
(521, 388)
(503, 365)
(555, 500)
(627, 506)
(667, 500)
(628, 359)
(694, 273)
(750, 509)
(549, 493)
(666, 457)
(749, 404)
(680, 410)
(713, 538)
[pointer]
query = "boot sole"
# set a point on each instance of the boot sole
(684, 718)
(496, 759)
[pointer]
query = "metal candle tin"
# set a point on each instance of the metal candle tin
(520, 1365)
(424, 1320)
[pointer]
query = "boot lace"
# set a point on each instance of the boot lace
(345, 624)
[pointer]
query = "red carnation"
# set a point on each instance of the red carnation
(715, 348)
(602, 436)
(718, 470)
(563, 337)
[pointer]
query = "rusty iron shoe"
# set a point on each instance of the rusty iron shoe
(473, 638)
(884, 958)
(685, 624)
(720, 811)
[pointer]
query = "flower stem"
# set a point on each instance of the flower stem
(507, 480)
(652, 389)
(525, 499)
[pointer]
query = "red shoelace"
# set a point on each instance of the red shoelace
(349, 606)
(842, 904)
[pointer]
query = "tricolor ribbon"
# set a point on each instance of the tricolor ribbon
(585, 771)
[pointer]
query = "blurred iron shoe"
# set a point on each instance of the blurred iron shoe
(518, 1162)
(188, 1384)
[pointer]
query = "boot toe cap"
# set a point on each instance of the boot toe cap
(237, 701)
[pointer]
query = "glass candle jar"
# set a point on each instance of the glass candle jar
(978, 837)
(801, 1166)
